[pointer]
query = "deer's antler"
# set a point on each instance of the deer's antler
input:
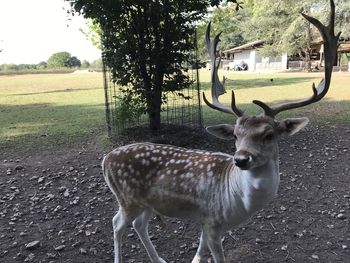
(330, 52)
(218, 88)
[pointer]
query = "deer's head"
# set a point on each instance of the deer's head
(256, 137)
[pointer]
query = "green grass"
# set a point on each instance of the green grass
(40, 111)
(335, 107)
(49, 110)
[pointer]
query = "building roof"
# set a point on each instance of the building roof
(344, 47)
(248, 46)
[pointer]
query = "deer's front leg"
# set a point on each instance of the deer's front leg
(213, 238)
(202, 248)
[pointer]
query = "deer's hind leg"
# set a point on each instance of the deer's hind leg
(141, 226)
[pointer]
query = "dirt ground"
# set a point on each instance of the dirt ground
(55, 206)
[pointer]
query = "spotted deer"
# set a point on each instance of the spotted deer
(217, 190)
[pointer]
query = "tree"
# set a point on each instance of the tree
(85, 64)
(283, 29)
(342, 16)
(63, 59)
(281, 26)
(9, 67)
(146, 44)
(96, 64)
(42, 65)
(74, 62)
(93, 33)
(229, 20)
(218, 2)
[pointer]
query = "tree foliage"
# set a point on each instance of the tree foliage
(342, 16)
(283, 29)
(229, 20)
(93, 33)
(63, 59)
(280, 25)
(85, 64)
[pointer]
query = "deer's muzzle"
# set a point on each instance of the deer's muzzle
(243, 159)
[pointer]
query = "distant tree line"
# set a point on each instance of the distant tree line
(59, 60)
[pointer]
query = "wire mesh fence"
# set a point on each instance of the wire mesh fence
(182, 108)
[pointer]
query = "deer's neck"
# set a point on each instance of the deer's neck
(250, 190)
(258, 185)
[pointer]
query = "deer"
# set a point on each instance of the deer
(216, 190)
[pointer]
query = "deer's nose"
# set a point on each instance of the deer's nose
(242, 159)
(241, 162)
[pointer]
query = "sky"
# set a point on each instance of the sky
(32, 30)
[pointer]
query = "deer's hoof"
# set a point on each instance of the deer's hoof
(196, 259)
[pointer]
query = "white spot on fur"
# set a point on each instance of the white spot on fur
(209, 167)
(131, 169)
(189, 175)
(188, 165)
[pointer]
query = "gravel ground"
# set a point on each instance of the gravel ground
(56, 207)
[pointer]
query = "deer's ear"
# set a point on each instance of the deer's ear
(292, 125)
(222, 131)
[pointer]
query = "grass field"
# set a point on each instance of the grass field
(286, 87)
(45, 110)
(58, 109)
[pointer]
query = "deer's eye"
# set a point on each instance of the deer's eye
(234, 136)
(269, 137)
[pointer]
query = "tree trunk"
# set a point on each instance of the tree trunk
(308, 60)
(155, 116)
(308, 48)
(155, 110)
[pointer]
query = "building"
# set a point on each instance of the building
(247, 54)
(246, 57)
